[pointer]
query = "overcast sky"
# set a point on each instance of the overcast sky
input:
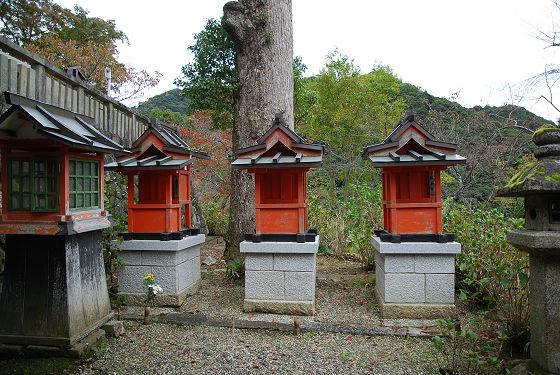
(477, 48)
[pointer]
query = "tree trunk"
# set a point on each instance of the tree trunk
(262, 35)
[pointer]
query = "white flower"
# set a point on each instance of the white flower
(156, 289)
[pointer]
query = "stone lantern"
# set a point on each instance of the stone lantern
(54, 292)
(280, 257)
(539, 184)
(414, 259)
(160, 239)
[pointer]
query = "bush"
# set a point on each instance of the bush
(345, 223)
(216, 218)
(491, 272)
(465, 351)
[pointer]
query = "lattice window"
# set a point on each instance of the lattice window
(84, 184)
(33, 185)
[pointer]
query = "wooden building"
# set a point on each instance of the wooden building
(411, 160)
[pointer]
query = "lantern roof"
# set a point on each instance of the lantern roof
(159, 147)
(29, 119)
(279, 147)
(411, 144)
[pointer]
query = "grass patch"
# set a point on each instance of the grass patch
(363, 281)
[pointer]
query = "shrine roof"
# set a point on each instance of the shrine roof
(278, 160)
(279, 147)
(155, 162)
(171, 139)
(45, 121)
(411, 144)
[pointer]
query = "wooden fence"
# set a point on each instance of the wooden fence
(27, 74)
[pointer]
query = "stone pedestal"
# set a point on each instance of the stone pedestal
(175, 265)
(544, 293)
(280, 277)
(54, 290)
(415, 279)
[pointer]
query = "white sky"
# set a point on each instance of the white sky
(476, 48)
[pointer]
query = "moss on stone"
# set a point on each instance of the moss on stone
(528, 170)
(554, 177)
(543, 129)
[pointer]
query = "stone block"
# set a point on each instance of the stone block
(188, 273)
(415, 247)
(267, 285)
(159, 258)
(380, 281)
(280, 247)
(113, 328)
(294, 262)
(166, 277)
(440, 288)
(132, 258)
(188, 254)
(157, 245)
(397, 263)
(430, 263)
(405, 287)
(259, 262)
(415, 310)
(279, 307)
(299, 286)
(131, 278)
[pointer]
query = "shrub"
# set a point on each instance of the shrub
(216, 218)
(345, 223)
(490, 271)
(465, 351)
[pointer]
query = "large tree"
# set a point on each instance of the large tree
(261, 31)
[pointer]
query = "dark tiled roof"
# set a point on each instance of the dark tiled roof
(152, 162)
(55, 123)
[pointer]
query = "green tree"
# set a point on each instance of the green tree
(347, 110)
(209, 80)
(24, 21)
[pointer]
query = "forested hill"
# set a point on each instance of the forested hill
(172, 100)
(420, 101)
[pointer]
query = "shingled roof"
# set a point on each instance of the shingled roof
(278, 147)
(31, 119)
(174, 154)
(411, 144)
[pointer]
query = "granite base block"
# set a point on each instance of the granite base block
(175, 265)
(415, 280)
(280, 277)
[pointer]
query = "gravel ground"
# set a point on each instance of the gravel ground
(172, 349)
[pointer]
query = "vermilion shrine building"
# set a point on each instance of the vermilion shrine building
(415, 266)
(160, 237)
(280, 257)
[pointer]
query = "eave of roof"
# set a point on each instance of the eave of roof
(70, 128)
(149, 163)
(278, 161)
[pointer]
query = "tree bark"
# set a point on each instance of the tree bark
(263, 41)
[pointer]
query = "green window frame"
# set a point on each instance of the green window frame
(84, 184)
(33, 184)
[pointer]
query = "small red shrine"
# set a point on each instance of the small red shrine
(280, 161)
(411, 160)
(158, 172)
(52, 169)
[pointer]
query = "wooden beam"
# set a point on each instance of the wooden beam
(276, 157)
(438, 155)
(394, 156)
